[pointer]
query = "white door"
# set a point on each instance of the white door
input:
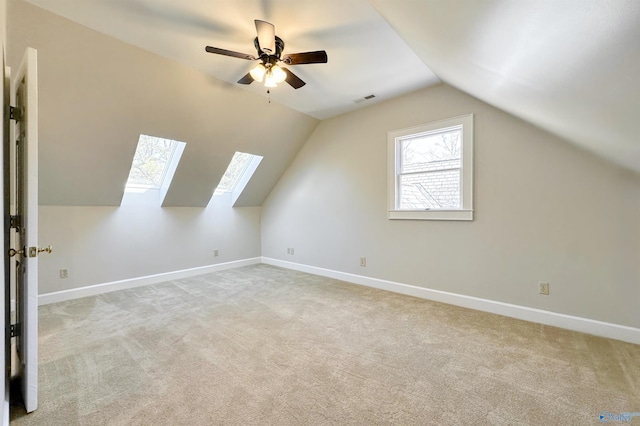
(5, 89)
(23, 196)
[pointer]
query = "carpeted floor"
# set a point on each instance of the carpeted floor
(261, 345)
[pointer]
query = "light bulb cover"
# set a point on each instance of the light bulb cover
(279, 75)
(258, 73)
(269, 81)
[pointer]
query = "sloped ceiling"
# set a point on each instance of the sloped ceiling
(98, 94)
(365, 55)
(568, 66)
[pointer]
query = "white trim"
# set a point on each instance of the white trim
(580, 324)
(569, 322)
(431, 214)
(92, 290)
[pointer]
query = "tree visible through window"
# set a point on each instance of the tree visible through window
(238, 173)
(236, 168)
(150, 162)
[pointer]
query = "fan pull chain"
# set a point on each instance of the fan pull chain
(269, 93)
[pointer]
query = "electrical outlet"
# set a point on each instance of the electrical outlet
(64, 273)
(543, 288)
(216, 253)
(363, 261)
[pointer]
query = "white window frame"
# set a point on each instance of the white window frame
(394, 138)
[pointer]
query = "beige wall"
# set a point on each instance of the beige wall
(544, 211)
(3, 21)
(97, 95)
(105, 244)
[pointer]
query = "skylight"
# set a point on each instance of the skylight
(154, 164)
(150, 162)
(237, 175)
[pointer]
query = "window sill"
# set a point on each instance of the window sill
(431, 214)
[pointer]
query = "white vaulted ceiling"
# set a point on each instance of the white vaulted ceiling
(568, 66)
(366, 56)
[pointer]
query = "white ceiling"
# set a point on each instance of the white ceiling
(569, 66)
(365, 55)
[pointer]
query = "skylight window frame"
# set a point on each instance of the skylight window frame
(174, 147)
(238, 178)
(242, 179)
(154, 194)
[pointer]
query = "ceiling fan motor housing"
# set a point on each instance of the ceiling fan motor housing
(264, 55)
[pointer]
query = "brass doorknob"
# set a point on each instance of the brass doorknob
(47, 249)
(13, 252)
(33, 251)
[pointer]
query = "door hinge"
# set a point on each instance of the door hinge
(15, 329)
(15, 113)
(15, 221)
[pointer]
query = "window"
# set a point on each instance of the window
(431, 171)
(239, 171)
(154, 163)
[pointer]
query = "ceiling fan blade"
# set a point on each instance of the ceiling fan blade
(293, 80)
(266, 36)
(247, 79)
(317, 57)
(226, 52)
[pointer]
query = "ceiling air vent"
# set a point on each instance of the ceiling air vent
(366, 98)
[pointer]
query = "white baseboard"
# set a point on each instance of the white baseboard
(76, 293)
(583, 325)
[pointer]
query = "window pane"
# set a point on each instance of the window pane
(150, 161)
(431, 190)
(430, 170)
(235, 170)
(431, 152)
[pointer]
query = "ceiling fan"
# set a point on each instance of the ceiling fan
(270, 47)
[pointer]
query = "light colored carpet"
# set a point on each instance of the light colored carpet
(261, 345)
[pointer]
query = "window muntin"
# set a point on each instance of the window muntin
(431, 171)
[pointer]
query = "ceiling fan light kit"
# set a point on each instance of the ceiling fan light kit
(269, 48)
(258, 73)
(278, 74)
